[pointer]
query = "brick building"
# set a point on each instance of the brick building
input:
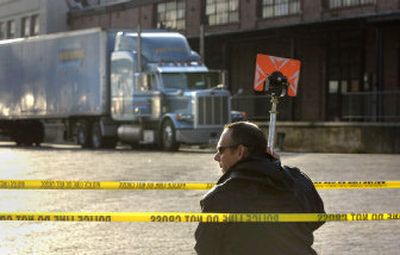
(350, 51)
(348, 48)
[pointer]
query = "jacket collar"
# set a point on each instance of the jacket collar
(259, 169)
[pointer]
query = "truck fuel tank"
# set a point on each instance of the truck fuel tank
(135, 134)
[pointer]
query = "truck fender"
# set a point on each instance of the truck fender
(178, 124)
(171, 117)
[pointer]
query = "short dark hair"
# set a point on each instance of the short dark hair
(249, 135)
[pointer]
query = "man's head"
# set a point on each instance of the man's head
(238, 141)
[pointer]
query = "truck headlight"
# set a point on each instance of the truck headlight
(184, 117)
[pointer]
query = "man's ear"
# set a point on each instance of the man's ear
(242, 151)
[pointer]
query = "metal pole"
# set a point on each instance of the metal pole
(202, 53)
(272, 122)
(139, 48)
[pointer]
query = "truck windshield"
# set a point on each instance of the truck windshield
(190, 81)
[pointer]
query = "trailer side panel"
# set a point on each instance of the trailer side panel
(54, 76)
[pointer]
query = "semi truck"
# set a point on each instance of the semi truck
(96, 87)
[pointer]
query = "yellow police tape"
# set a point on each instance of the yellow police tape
(194, 217)
(97, 185)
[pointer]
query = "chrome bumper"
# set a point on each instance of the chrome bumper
(198, 136)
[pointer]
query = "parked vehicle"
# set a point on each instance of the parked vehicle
(96, 87)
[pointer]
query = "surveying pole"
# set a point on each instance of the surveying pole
(272, 122)
(275, 77)
(276, 85)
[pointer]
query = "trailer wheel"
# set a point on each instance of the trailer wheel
(37, 133)
(83, 135)
(97, 137)
(28, 133)
(168, 136)
(99, 141)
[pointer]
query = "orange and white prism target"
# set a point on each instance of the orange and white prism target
(266, 65)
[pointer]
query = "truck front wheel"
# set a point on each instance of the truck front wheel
(168, 136)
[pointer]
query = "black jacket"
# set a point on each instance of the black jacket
(257, 185)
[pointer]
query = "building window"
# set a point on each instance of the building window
(35, 26)
(2, 30)
(25, 27)
(275, 8)
(346, 3)
(10, 29)
(171, 15)
(222, 11)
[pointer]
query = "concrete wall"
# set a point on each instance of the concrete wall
(337, 137)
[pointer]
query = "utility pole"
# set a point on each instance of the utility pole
(202, 46)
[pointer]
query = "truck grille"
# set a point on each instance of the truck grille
(212, 110)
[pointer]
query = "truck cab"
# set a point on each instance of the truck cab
(162, 93)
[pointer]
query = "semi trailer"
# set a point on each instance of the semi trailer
(96, 87)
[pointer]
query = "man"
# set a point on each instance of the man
(254, 182)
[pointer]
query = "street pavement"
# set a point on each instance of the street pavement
(187, 165)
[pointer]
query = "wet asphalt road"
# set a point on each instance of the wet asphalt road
(191, 165)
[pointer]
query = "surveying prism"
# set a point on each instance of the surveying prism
(275, 77)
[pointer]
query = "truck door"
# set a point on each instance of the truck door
(142, 96)
(122, 82)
